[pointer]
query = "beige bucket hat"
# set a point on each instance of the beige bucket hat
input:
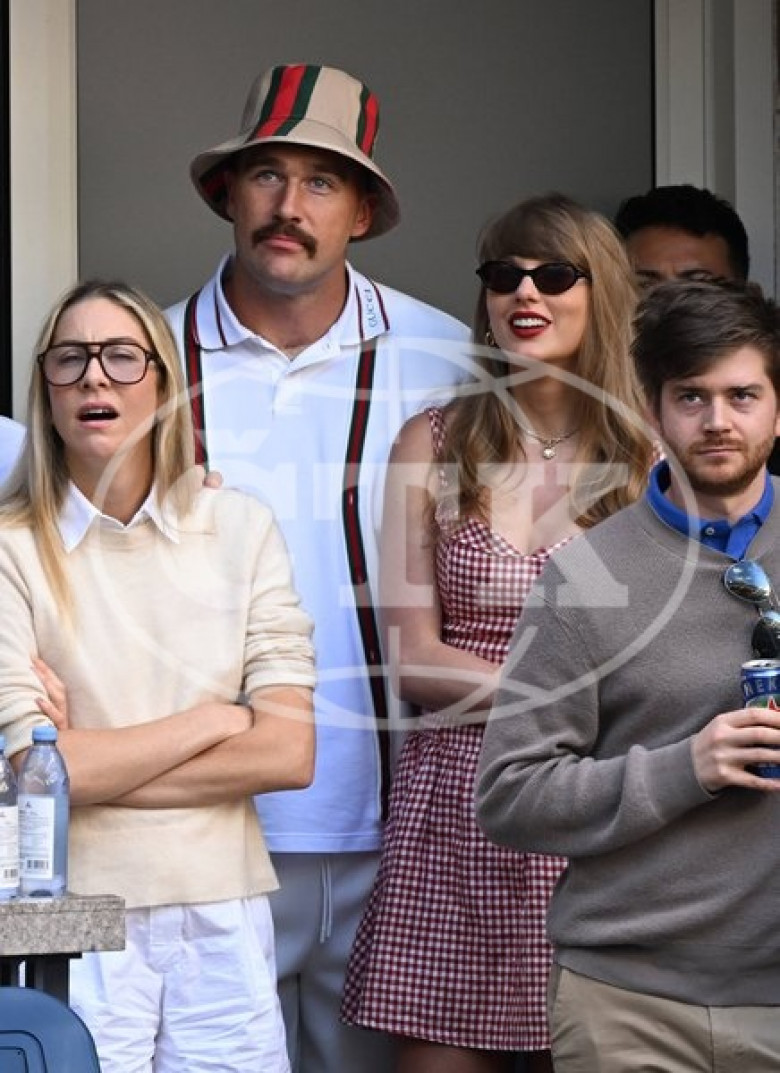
(307, 105)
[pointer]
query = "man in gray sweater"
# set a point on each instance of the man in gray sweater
(619, 738)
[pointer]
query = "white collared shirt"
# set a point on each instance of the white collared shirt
(78, 513)
(279, 429)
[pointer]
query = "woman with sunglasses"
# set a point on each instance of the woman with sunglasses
(166, 611)
(451, 955)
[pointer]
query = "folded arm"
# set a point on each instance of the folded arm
(104, 765)
(271, 748)
(275, 753)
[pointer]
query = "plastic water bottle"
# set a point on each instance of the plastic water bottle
(44, 796)
(9, 829)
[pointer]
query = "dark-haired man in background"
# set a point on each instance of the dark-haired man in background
(686, 232)
(683, 232)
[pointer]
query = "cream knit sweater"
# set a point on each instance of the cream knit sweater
(161, 625)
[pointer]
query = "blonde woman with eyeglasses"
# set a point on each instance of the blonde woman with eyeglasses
(166, 611)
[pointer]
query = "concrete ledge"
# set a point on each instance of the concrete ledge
(69, 925)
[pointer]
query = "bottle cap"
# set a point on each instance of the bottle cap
(45, 733)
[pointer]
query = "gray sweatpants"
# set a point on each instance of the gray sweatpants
(316, 913)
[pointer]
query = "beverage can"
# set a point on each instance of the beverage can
(761, 689)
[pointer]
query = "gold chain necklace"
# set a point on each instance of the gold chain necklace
(549, 443)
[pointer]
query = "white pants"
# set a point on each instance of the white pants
(194, 991)
(316, 913)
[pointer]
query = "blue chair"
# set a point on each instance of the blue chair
(40, 1034)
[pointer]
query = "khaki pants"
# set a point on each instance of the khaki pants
(597, 1028)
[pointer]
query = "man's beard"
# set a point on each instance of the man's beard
(710, 482)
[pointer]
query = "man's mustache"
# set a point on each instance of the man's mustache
(287, 230)
(717, 441)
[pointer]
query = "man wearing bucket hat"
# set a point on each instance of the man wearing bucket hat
(301, 372)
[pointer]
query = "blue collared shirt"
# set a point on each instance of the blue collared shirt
(733, 540)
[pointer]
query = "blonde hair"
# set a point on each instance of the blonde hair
(481, 428)
(34, 493)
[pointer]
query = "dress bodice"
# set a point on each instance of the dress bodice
(482, 579)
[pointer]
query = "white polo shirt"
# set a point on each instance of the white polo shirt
(282, 429)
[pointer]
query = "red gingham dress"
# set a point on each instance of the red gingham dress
(452, 945)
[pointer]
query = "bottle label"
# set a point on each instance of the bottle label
(9, 847)
(36, 836)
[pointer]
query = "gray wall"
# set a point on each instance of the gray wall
(483, 102)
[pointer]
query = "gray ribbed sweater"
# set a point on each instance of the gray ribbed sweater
(670, 890)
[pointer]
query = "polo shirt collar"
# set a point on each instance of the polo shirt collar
(78, 514)
(363, 317)
(732, 538)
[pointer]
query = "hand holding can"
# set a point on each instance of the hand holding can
(761, 689)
